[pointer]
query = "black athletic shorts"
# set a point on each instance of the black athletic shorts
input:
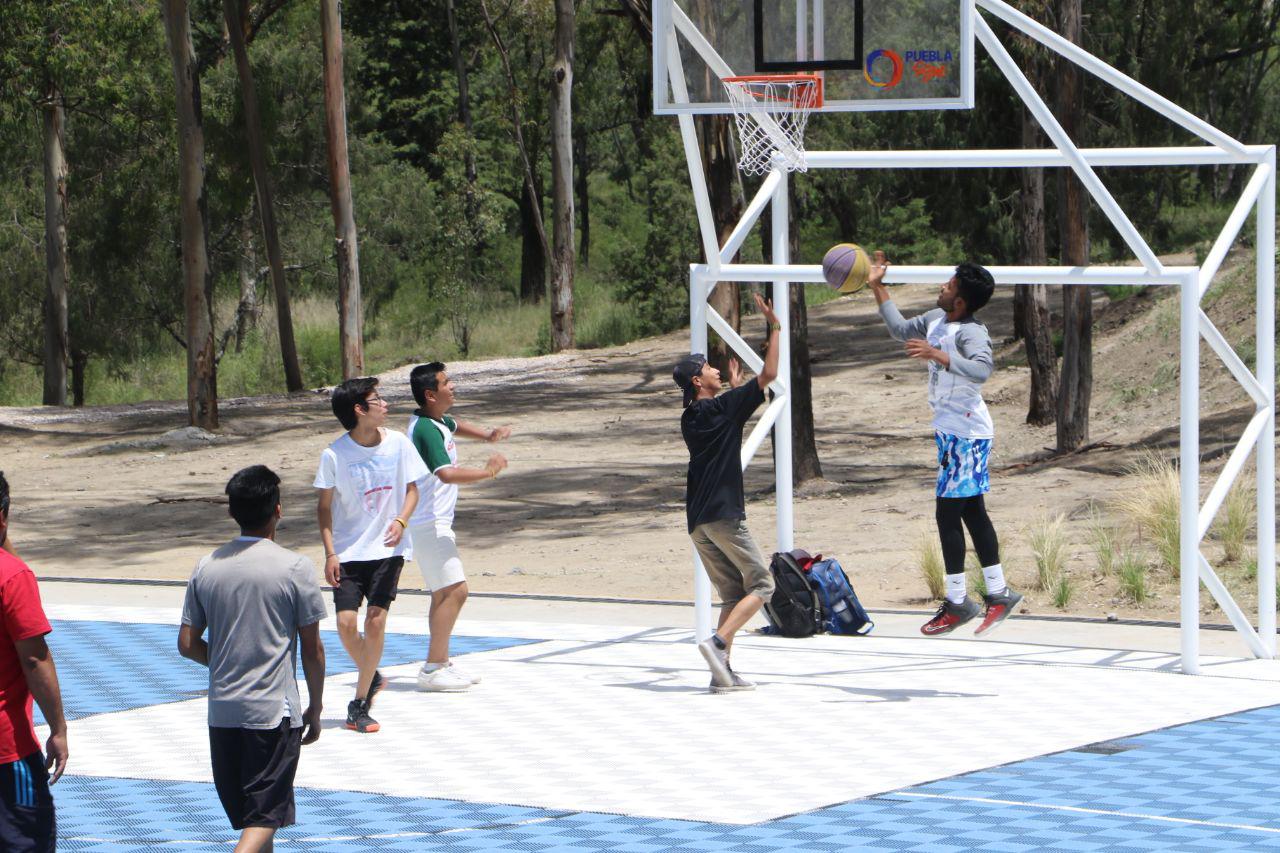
(253, 770)
(375, 580)
(26, 807)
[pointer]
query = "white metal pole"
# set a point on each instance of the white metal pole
(1266, 366)
(698, 343)
(782, 307)
(1189, 446)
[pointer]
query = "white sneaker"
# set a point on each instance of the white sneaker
(740, 684)
(442, 680)
(469, 676)
(717, 661)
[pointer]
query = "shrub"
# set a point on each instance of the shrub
(1132, 572)
(929, 553)
(1235, 519)
(1048, 546)
(1152, 505)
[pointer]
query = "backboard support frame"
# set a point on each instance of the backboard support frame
(1258, 197)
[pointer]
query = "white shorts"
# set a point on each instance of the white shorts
(436, 551)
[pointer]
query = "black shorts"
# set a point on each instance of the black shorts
(253, 770)
(26, 807)
(375, 580)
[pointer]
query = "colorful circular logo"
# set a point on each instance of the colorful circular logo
(894, 78)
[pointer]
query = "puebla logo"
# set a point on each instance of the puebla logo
(875, 75)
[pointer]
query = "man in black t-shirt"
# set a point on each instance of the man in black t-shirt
(712, 429)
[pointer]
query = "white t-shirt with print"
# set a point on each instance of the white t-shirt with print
(369, 487)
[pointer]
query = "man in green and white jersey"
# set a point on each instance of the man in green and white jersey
(431, 526)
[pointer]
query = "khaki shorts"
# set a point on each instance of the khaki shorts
(732, 560)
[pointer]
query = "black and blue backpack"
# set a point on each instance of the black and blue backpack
(812, 595)
(842, 613)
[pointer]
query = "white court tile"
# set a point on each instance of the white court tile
(619, 720)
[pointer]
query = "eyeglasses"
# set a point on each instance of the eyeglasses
(374, 399)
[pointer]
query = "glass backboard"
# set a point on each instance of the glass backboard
(872, 54)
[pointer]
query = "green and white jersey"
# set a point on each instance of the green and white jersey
(434, 442)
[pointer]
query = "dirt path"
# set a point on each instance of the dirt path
(592, 503)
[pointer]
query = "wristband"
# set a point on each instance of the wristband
(775, 327)
(327, 556)
(400, 521)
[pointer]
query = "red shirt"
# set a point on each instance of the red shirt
(21, 618)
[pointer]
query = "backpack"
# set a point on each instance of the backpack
(795, 610)
(842, 613)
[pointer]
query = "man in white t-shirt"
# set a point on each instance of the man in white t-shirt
(368, 481)
(431, 527)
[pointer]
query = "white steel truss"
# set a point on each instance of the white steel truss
(1258, 438)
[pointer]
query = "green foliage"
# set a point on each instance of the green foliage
(440, 256)
(1235, 519)
(1151, 503)
(1062, 591)
(1132, 574)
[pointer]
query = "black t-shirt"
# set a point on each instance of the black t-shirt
(712, 430)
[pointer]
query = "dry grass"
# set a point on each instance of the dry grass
(1103, 536)
(1235, 519)
(1049, 548)
(929, 553)
(1152, 505)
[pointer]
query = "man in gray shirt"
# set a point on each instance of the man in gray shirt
(256, 599)
(957, 349)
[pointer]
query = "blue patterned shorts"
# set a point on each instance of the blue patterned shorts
(962, 465)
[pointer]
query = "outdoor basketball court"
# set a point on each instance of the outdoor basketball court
(604, 737)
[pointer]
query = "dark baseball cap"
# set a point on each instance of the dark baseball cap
(687, 368)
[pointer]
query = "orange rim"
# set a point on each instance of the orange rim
(815, 79)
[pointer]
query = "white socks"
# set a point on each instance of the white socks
(995, 579)
(955, 588)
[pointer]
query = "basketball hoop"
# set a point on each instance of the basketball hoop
(772, 111)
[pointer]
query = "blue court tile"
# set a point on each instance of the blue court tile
(117, 666)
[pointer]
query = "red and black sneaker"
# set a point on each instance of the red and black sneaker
(375, 686)
(949, 617)
(999, 608)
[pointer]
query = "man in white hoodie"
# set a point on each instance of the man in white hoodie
(957, 349)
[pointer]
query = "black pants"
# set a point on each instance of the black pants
(972, 512)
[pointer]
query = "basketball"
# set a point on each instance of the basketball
(845, 267)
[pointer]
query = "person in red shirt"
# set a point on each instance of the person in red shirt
(26, 669)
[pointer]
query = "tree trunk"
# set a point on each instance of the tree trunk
(79, 364)
(562, 256)
(57, 270)
(1076, 386)
(805, 464)
(1033, 306)
(530, 218)
(582, 163)
(262, 184)
(804, 448)
(533, 258)
(464, 107)
(247, 309)
(345, 244)
(202, 384)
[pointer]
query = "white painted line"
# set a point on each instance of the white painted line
(1132, 815)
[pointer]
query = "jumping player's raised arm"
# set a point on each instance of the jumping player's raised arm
(900, 329)
(770, 370)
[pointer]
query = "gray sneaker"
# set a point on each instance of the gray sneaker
(949, 617)
(717, 661)
(740, 685)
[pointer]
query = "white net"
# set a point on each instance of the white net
(771, 116)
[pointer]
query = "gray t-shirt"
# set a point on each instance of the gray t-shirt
(253, 596)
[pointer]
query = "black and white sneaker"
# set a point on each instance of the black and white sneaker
(358, 718)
